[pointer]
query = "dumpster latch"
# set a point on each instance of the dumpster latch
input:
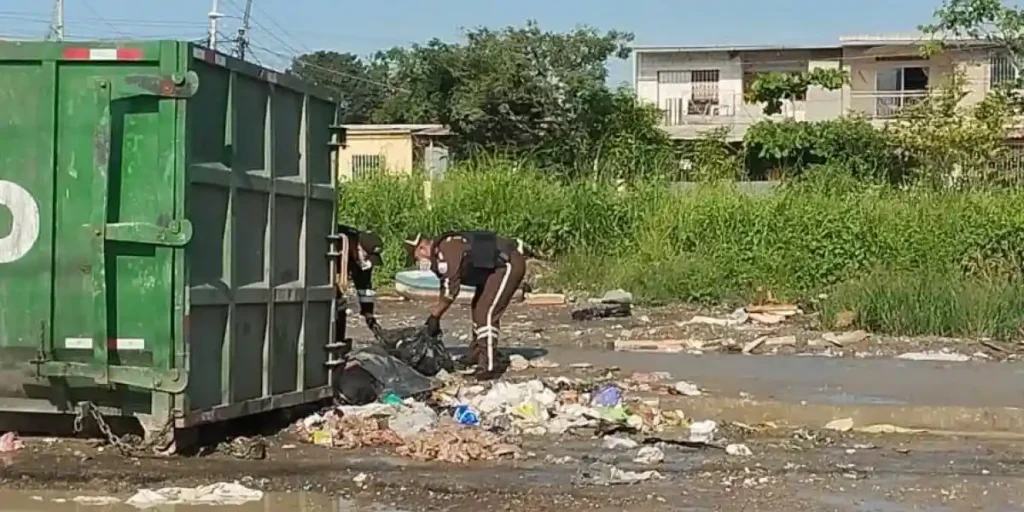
(164, 86)
(171, 381)
(177, 233)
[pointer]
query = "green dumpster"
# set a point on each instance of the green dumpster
(163, 235)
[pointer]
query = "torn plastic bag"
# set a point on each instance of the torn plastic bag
(426, 354)
(372, 372)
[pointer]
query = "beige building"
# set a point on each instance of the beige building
(391, 148)
(698, 88)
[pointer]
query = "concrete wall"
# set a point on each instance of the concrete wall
(396, 148)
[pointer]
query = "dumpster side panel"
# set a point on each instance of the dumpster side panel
(261, 198)
(27, 91)
(100, 154)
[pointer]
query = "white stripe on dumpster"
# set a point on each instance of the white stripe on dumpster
(24, 222)
(120, 344)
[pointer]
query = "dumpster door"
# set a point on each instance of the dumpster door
(117, 229)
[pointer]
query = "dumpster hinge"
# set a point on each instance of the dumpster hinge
(177, 233)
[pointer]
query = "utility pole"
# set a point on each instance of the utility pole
(242, 42)
(57, 22)
(211, 38)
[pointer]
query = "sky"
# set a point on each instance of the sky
(281, 28)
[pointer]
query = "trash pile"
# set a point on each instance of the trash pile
(484, 421)
(766, 314)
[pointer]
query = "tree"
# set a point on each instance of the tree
(773, 89)
(947, 143)
(352, 80)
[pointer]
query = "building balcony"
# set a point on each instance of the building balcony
(686, 118)
(883, 105)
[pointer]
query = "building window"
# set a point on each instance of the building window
(899, 87)
(367, 165)
(704, 96)
(1002, 70)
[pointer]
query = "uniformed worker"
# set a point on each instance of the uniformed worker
(495, 266)
(364, 254)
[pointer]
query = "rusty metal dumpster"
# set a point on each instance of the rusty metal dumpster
(163, 233)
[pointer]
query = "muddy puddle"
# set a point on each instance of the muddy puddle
(42, 501)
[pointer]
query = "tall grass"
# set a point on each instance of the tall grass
(881, 252)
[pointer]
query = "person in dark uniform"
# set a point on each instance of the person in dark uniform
(495, 266)
(364, 254)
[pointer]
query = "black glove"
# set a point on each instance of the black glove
(373, 324)
(433, 326)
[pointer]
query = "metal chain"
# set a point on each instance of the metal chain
(121, 444)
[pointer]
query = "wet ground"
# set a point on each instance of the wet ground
(551, 326)
(788, 471)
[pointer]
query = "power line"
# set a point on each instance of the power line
(89, 7)
(333, 71)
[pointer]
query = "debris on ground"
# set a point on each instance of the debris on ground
(544, 299)
(96, 501)
(616, 297)
(602, 311)
(245, 448)
(458, 446)
(663, 346)
(215, 494)
(840, 425)
(846, 338)
(518, 363)
(686, 388)
(611, 475)
(738, 450)
(885, 428)
(619, 443)
(935, 355)
(649, 456)
(702, 431)
(10, 442)
(542, 363)
(737, 317)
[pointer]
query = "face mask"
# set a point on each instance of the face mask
(364, 262)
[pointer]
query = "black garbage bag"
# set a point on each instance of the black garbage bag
(372, 372)
(425, 354)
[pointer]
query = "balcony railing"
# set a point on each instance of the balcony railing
(883, 104)
(728, 109)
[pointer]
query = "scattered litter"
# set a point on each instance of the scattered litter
(840, 425)
(738, 450)
(602, 311)
(781, 341)
(465, 415)
(649, 455)
(518, 363)
(10, 442)
(551, 459)
(617, 297)
(609, 395)
(412, 419)
(767, 318)
(783, 310)
(616, 476)
(96, 501)
(686, 388)
(457, 446)
(885, 428)
(391, 399)
(619, 443)
(581, 366)
(737, 317)
(702, 431)
(666, 346)
(931, 355)
(360, 478)
(543, 363)
(544, 299)
(846, 338)
(754, 344)
(215, 494)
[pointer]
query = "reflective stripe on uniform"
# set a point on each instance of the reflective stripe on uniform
(366, 296)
